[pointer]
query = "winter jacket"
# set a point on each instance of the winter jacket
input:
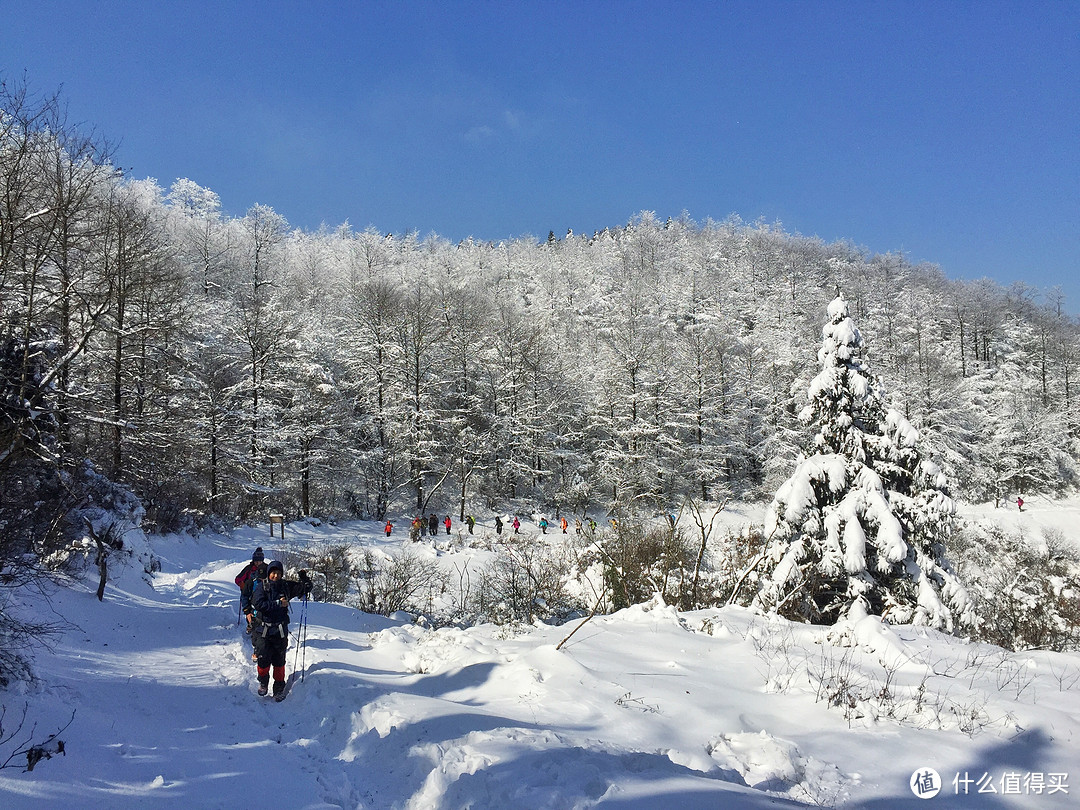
(270, 615)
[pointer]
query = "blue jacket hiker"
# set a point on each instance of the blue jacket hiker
(270, 627)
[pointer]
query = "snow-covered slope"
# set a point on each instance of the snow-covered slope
(647, 708)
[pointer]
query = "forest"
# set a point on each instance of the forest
(221, 367)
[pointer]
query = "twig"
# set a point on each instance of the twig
(33, 753)
(596, 607)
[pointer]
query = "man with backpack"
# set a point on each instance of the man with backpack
(245, 581)
(270, 627)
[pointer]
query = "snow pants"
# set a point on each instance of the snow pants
(271, 651)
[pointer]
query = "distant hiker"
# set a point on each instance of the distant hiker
(246, 594)
(592, 525)
(498, 525)
(416, 529)
(543, 525)
(564, 524)
(433, 524)
(671, 520)
(577, 525)
(245, 581)
(248, 570)
(517, 525)
(1019, 503)
(389, 528)
(446, 523)
(270, 628)
(470, 521)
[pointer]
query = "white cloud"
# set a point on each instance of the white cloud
(479, 134)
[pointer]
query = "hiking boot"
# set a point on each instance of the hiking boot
(280, 696)
(263, 688)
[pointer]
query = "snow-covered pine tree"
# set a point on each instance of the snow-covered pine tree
(864, 519)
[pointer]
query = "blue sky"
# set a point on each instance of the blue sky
(949, 131)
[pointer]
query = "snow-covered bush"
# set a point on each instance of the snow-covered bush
(333, 568)
(1026, 595)
(640, 561)
(726, 580)
(388, 584)
(528, 581)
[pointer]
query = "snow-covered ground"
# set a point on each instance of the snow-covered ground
(647, 708)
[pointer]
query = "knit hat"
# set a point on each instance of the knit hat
(275, 566)
(258, 556)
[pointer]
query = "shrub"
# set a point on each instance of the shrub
(1025, 596)
(405, 582)
(332, 567)
(528, 582)
(640, 562)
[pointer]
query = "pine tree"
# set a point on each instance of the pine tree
(863, 522)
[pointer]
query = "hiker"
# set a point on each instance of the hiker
(498, 525)
(1019, 503)
(433, 524)
(543, 525)
(245, 581)
(577, 525)
(389, 528)
(270, 627)
(446, 523)
(517, 525)
(416, 530)
(564, 524)
(470, 521)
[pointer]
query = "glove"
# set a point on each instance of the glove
(306, 585)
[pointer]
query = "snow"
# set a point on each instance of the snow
(646, 708)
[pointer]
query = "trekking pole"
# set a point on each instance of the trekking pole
(301, 636)
(303, 642)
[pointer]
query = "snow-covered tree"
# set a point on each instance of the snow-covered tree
(864, 519)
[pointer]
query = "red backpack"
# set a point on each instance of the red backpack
(247, 573)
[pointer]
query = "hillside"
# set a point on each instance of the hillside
(645, 708)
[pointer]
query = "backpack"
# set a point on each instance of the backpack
(246, 575)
